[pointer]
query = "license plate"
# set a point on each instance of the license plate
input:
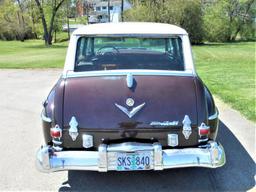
(133, 161)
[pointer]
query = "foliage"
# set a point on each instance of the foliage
(21, 19)
(216, 24)
(82, 20)
(185, 13)
(14, 23)
(211, 20)
(225, 19)
(214, 20)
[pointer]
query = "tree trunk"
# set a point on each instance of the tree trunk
(68, 21)
(122, 10)
(33, 24)
(48, 33)
(41, 11)
(87, 12)
(22, 22)
(68, 28)
(233, 38)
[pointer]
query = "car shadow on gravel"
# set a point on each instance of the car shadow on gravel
(236, 175)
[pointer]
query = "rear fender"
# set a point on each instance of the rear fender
(213, 120)
(52, 113)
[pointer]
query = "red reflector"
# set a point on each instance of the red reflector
(56, 132)
(204, 131)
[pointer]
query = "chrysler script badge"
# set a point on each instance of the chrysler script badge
(131, 113)
(164, 124)
(130, 102)
(186, 127)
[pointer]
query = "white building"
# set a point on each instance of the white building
(100, 11)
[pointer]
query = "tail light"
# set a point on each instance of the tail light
(203, 130)
(56, 132)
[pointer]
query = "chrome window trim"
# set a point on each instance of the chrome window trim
(71, 74)
(152, 36)
(187, 55)
(46, 119)
(214, 116)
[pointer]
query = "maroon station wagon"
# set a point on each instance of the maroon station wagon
(129, 99)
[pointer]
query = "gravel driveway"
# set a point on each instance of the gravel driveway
(21, 95)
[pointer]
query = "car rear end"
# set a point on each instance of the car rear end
(129, 102)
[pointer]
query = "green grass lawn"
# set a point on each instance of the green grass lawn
(31, 54)
(229, 72)
(227, 69)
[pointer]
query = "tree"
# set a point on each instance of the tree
(242, 19)
(14, 21)
(224, 20)
(184, 13)
(48, 31)
(216, 23)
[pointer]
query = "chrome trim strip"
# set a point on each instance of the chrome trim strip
(46, 119)
(214, 116)
(211, 155)
(56, 142)
(57, 148)
(203, 140)
(71, 74)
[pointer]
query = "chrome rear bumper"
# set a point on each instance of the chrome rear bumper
(211, 155)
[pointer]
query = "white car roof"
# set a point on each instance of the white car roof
(129, 28)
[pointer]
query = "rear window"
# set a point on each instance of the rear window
(113, 53)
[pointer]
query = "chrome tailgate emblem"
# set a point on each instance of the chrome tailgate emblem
(131, 113)
(129, 102)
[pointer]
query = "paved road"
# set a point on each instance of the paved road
(21, 94)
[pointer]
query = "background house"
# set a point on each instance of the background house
(97, 10)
